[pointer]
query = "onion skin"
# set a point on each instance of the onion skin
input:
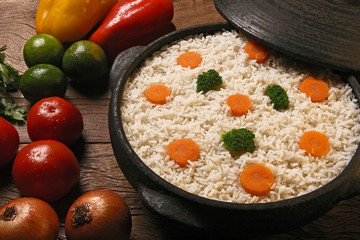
(104, 215)
(28, 218)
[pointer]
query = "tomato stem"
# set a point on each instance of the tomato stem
(9, 214)
(82, 215)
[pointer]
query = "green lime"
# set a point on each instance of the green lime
(42, 80)
(43, 48)
(85, 62)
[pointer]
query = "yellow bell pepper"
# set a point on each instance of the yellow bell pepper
(70, 20)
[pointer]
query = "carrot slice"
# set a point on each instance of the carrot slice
(189, 59)
(256, 51)
(257, 179)
(314, 143)
(317, 90)
(157, 94)
(239, 104)
(183, 150)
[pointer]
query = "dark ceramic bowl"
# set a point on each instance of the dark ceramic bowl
(192, 210)
(325, 32)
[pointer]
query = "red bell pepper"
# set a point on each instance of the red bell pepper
(132, 23)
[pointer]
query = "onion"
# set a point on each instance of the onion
(98, 214)
(28, 219)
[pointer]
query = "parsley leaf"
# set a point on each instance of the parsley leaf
(9, 80)
(9, 76)
(11, 110)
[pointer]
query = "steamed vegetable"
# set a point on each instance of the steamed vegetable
(239, 104)
(207, 81)
(317, 90)
(278, 97)
(256, 51)
(183, 150)
(239, 140)
(189, 59)
(257, 179)
(157, 94)
(314, 143)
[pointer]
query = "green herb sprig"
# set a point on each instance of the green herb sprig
(9, 81)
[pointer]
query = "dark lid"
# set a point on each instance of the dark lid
(322, 32)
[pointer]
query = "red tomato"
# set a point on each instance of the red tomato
(9, 142)
(45, 169)
(55, 118)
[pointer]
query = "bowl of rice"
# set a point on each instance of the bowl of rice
(209, 192)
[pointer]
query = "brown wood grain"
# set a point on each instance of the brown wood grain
(99, 169)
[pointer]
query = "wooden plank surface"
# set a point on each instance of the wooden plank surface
(99, 168)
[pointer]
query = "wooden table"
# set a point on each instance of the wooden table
(99, 169)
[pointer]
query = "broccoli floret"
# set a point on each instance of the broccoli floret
(239, 140)
(207, 81)
(278, 97)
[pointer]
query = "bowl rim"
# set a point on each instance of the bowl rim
(339, 184)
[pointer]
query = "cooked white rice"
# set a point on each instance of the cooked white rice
(203, 117)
